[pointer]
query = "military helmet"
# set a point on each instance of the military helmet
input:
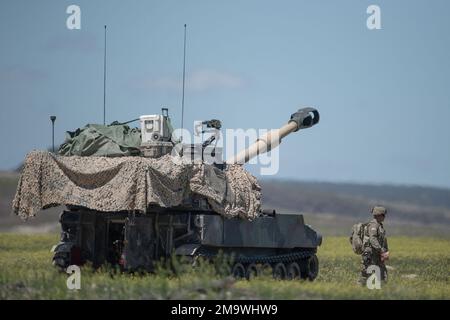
(379, 210)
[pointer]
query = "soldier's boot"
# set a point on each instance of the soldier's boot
(384, 273)
(365, 262)
(362, 281)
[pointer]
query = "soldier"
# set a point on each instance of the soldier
(376, 250)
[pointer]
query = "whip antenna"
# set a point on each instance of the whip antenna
(184, 78)
(104, 83)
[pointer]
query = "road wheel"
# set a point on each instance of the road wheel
(293, 271)
(266, 270)
(238, 271)
(279, 271)
(252, 271)
(310, 268)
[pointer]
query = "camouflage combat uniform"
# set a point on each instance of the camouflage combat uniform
(375, 243)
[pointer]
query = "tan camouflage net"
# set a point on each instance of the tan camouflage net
(131, 183)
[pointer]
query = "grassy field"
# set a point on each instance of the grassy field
(419, 269)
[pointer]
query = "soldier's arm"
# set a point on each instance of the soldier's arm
(386, 248)
(373, 238)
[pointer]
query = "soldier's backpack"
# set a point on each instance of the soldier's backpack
(357, 237)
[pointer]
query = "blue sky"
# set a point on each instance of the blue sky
(383, 95)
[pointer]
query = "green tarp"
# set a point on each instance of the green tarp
(99, 140)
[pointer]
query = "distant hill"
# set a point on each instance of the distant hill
(334, 207)
(331, 208)
(45, 221)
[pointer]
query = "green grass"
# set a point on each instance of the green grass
(421, 271)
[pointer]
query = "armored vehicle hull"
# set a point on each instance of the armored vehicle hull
(136, 241)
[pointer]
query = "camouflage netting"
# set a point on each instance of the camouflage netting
(131, 183)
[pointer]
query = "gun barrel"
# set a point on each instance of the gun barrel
(302, 119)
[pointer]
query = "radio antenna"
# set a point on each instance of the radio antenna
(184, 79)
(104, 83)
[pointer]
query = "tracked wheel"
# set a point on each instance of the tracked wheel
(252, 271)
(238, 271)
(310, 268)
(293, 271)
(279, 271)
(266, 269)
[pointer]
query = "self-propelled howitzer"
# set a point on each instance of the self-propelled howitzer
(135, 239)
